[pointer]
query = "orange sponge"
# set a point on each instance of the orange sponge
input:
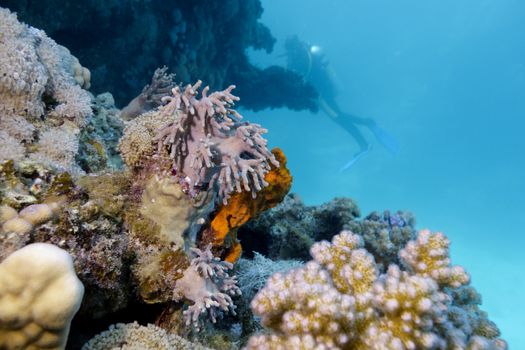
(242, 207)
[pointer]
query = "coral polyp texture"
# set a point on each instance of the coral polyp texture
(133, 336)
(39, 295)
(43, 103)
(208, 143)
(340, 300)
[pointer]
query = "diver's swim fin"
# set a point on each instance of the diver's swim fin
(386, 139)
(354, 159)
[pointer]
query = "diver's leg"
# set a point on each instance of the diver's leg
(357, 119)
(385, 138)
(364, 147)
(352, 129)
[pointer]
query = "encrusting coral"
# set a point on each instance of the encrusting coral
(39, 295)
(339, 300)
(165, 203)
(15, 227)
(24, 221)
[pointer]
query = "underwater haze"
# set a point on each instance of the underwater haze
(445, 78)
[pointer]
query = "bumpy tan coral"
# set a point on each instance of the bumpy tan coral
(39, 295)
(29, 217)
(340, 301)
(136, 144)
(428, 256)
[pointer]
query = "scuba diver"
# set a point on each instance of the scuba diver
(309, 61)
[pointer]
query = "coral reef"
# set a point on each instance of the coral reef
(204, 40)
(39, 295)
(90, 228)
(84, 219)
(340, 300)
(43, 106)
(133, 336)
(148, 227)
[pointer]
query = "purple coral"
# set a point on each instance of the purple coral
(207, 283)
(209, 144)
(395, 220)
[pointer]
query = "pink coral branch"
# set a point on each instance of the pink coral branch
(210, 145)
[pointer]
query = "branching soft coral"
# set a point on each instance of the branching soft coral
(208, 285)
(151, 95)
(341, 301)
(209, 144)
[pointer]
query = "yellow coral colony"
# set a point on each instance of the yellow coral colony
(339, 300)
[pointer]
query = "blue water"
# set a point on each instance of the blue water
(447, 78)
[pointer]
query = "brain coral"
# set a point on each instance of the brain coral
(339, 300)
